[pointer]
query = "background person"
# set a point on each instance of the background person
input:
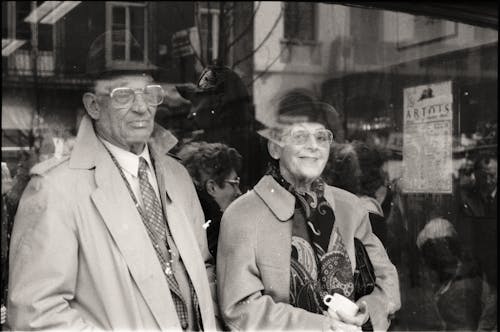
(214, 168)
(359, 168)
(279, 253)
(462, 294)
(110, 237)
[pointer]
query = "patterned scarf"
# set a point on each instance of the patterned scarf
(319, 261)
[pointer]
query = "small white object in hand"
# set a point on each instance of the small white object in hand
(205, 225)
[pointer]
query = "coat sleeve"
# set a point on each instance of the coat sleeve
(385, 300)
(43, 261)
(243, 302)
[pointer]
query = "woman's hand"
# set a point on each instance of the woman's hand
(336, 324)
(359, 319)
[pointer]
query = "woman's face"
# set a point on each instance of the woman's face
(304, 152)
(228, 192)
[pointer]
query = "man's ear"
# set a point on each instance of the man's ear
(91, 105)
(210, 187)
(274, 149)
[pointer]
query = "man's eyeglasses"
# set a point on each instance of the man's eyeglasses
(234, 182)
(123, 96)
(323, 137)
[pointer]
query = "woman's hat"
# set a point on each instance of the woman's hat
(436, 228)
(299, 106)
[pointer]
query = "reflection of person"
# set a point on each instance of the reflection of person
(111, 237)
(463, 296)
(358, 168)
(214, 168)
(290, 241)
(477, 221)
(222, 110)
(478, 213)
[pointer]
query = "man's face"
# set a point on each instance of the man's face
(486, 176)
(303, 161)
(125, 124)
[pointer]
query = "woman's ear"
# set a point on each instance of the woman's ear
(210, 187)
(274, 150)
(91, 105)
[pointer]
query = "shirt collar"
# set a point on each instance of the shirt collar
(127, 160)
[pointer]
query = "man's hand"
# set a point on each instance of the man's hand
(359, 319)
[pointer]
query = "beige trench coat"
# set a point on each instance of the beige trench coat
(253, 260)
(80, 255)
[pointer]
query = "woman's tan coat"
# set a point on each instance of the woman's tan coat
(253, 260)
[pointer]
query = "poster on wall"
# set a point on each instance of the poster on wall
(427, 138)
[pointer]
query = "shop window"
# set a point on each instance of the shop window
(131, 17)
(300, 21)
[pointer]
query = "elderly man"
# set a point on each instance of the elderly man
(289, 242)
(111, 237)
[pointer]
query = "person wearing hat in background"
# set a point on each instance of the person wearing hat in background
(289, 242)
(214, 169)
(477, 218)
(111, 237)
(463, 296)
(223, 112)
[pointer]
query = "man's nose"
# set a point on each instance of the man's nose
(139, 104)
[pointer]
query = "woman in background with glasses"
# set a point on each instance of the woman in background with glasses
(289, 242)
(214, 168)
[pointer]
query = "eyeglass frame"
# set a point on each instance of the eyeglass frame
(235, 181)
(291, 132)
(136, 91)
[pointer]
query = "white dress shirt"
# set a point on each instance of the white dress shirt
(129, 163)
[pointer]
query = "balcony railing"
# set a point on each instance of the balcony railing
(21, 63)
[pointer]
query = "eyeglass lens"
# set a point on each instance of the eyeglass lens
(152, 94)
(322, 137)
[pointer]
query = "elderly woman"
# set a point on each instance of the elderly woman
(289, 242)
(214, 169)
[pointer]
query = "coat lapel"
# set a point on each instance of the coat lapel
(282, 203)
(184, 238)
(343, 224)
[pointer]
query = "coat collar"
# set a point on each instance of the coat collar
(279, 200)
(83, 155)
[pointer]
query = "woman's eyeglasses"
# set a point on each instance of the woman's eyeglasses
(234, 182)
(123, 96)
(323, 137)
